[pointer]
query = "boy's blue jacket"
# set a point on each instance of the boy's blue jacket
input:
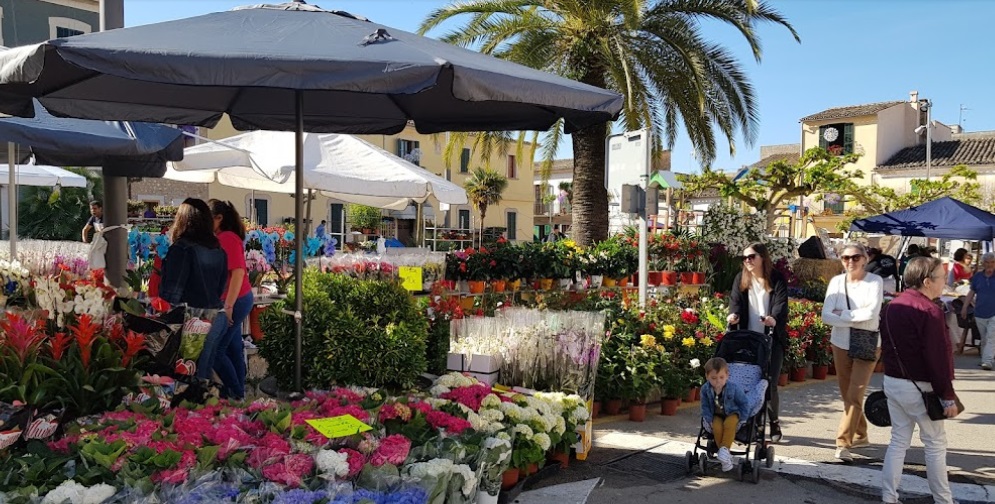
(733, 398)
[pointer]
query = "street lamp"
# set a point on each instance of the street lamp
(928, 128)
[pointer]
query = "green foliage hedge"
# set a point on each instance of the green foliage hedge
(355, 332)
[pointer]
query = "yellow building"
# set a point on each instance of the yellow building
(515, 211)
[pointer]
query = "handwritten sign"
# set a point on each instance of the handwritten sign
(339, 426)
(411, 277)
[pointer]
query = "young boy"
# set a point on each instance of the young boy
(722, 405)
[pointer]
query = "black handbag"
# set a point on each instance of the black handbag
(934, 406)
(863, 343)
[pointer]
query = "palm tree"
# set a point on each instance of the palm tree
(651, 51)
(483, 188)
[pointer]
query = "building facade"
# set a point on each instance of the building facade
(25, 22)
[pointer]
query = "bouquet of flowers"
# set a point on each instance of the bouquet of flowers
(257, 267)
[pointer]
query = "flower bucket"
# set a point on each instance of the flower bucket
(255, 327)
(669, 278)
(782, 380)
(819, 372)
(546, 284)
(687, 277)
(668, 407)
(698, 278)
(477, 286)
(498, 285)
(637, 412)
(654, 278)
(509, 478)
(798, 375)
(596, 281)
(613, 406)
(609, 282)
(485, 498)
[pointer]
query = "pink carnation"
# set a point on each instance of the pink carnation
(393, 450)
(356, 461)
(447, 422)
(470, 397)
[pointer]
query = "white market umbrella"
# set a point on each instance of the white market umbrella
(339, 166)
(42, 176)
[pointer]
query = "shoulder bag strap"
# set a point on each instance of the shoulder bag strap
(846, 292)
(895, 348)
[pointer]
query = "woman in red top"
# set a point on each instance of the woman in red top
(237, 297)
(962, 267)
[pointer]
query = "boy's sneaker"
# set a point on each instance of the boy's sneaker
(987, 366)
(844, 455)
(725, 458)
(775, 431)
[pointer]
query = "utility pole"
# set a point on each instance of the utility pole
(115, 188)
(960, 116)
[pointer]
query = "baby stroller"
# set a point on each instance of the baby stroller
(748, 355)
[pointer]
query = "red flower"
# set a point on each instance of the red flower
(160, 305)
(58, 345)
(652, 326)
(85, 332)
(134, 343)
(689, 317)
(21, 335)
(483, 250)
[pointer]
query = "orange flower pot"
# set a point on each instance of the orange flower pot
(613, 406)
(668, 278)
(622, 282)
(466, 303)
(687, 277)
(476, 286)
(698, 278)
(498, 285)
(668, 407)
(637, 412)
(255, 327)
(561, 457)
(654, 278)
(509, 479)
(820, 372)
(782, 380)
(798, 375)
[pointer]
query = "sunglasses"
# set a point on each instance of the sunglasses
(848, 258)
(749, 257)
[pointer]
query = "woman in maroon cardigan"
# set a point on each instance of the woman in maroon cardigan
(917, 352)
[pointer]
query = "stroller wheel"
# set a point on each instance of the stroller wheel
(712, 448)
(703, 464)
(756, 473)
(769, 457)
(740, 469)
(689, 460)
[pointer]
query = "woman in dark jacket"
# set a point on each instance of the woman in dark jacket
(195, 271)
(759, 299)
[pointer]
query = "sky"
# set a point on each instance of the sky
(851, 52)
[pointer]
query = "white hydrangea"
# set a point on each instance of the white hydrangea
(99, 493)
(496, 442)
(580, 414)
(438, 390)
(523, 430)
(455, 380)
(478, 422)
(490, 401)
(434, 468)
(492, 415)
(332, 463)
(469, 478)
(542, 439)
(75, 493)
(503, 435)
(561, 425)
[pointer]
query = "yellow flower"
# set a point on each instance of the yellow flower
(668, 331)
(647, 340)
(688, 342)
(706, 341)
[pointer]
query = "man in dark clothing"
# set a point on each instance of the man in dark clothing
(881, 264)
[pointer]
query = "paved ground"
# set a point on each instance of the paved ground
(643, 461)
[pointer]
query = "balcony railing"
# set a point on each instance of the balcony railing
(540, 208)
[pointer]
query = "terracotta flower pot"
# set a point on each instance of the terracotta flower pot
(687, 277)
(498, 285)
(532, 469)
(697, 393)
(819, 372)
(509, 478)
(668, 407)
(477, 286)
(637, 412)
(690, 396)
(654, 278)
(698, 278)
(562, 457)
(609, 282)
(255, 327)
(798, 375)
(782, 380)
(595, 409)
(613, 406)
(669, 278)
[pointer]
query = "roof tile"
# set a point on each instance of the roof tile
(851, 111)
(973, 151)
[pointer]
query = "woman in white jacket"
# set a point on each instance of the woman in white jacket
(853, 300)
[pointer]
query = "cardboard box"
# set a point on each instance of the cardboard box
(486, 368)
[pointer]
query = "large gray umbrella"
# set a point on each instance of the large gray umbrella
(291, 67)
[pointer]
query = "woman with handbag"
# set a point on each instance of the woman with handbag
(194, 272)
(918, 377)
(759, 300)
(852, 308)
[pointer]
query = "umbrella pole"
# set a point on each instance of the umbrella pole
(298, 236)
(12, 199)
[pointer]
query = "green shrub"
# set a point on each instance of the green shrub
(355, 332)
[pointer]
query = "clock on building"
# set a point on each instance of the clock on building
(831, 134)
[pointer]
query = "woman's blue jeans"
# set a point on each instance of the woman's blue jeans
(205, 363)
(229, 362)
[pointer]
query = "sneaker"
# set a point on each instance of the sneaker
(844, 455)
(987, 366)
(727, 466)
(775, 431)
(859, 443)
(724, 456)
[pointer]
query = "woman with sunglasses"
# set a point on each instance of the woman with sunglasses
(759, 299)
(853, 301)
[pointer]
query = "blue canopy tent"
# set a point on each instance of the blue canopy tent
(943, 218)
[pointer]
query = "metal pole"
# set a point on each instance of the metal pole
(929, 137)
(115, 188)
(298, 236)
(12, 199)
(643, 231)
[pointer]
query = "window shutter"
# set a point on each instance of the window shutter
(512, 226)
(822, 138)
(848, 138)
(400, 148)
(464, 161)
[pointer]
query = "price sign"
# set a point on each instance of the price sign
(411, 277)
(339, 426)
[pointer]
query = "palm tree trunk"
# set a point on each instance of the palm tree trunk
(480, 236)
(590, 199)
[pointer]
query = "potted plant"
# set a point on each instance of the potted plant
(794, 355)
(822, 354)
(640, 375)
